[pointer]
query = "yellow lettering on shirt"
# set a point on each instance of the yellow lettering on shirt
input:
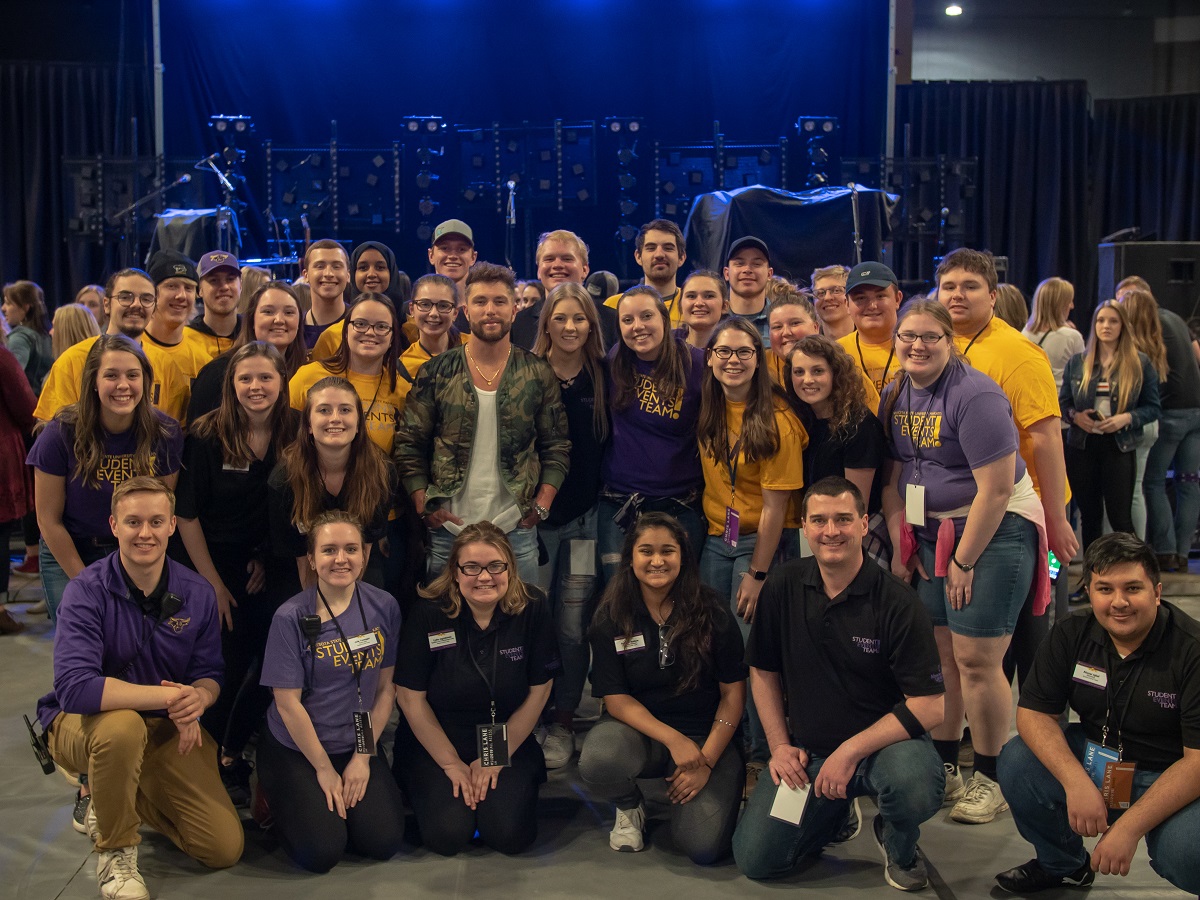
(924, 429)
(335, 650)
(651, 403)
(115, 469)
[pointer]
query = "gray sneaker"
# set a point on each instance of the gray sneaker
(910, 878)
(853, 824)
(559, 746)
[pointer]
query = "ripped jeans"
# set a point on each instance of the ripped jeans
(569, 580)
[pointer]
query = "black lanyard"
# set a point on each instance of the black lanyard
(887, 365)
(731, 466)
(916, 445)
(971, 343)
(355, 660)
(1132, 678)
(490, 681)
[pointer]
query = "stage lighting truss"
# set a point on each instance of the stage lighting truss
(627, 132)
(820, 136)
(231, 126)
(425, 142)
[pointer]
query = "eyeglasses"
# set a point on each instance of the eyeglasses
(443, 306)
(493, 568)
(128, 298)
(742, 353)
(911, 337)
(822, 293)
(362, 326)
(666, 653)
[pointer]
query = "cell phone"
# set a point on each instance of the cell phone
(1055, 565)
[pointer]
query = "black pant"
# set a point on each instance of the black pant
(1101, 477)
(507, 818)
(6, 532)
(309, 833)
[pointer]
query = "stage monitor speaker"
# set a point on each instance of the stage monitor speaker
(1172, 269)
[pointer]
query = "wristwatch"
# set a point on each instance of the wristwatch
(954, 559)
(542, 513)
(756, 574)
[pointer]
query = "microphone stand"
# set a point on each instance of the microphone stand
(510, 222)
(857, 232)
(127, 215)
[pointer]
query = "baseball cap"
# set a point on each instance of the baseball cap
(171, 264)
(873, 273)
(218, 259)
(748, 241)
(454, 226)
(602, 285)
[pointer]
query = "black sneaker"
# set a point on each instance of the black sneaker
(79, 816)
(852, 826)
(236, 778)
(1031, 878)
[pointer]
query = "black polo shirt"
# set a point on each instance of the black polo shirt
(844, 662)
(1159, 682)
(636, 671)
(448, 659)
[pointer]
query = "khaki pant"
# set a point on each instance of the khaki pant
(136, 775)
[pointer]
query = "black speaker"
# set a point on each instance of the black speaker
(1172, 269)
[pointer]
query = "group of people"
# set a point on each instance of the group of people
(417, 496)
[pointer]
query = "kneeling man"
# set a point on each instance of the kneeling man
(1130, 667)
(137, 660)
(852, 648)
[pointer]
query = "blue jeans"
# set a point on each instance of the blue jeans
(522, 540)
(571, 599)
(1039, 807)
(611, 537)
(906, 779)
(1178, 441)
(54, 579)
(722, 568)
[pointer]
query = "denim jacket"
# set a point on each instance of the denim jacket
(1074, 396)
(435, 436)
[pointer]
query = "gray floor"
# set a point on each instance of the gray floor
(43, 858)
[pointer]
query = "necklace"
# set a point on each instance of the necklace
(670, 605)
(495, 374)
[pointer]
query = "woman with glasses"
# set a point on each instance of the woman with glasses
(474, 670)
(668, 662)
(963, 515)
(433, 310)
(329, 661)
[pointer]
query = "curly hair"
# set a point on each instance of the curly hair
(847, 397)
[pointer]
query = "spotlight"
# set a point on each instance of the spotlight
(635, 126)
(221, 125)
(954, 10)
(413, 125)
(431, 125)
(614, 126)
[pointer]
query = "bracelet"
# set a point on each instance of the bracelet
(723, 722)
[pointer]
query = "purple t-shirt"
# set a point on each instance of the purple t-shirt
(86, 507)
(653, 450)
(332, 698)
(939, 434)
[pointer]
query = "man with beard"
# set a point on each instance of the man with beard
(129, 301)
(220, 290)
(748, 271)
(659, 250)
(327, 272)
(456, 462)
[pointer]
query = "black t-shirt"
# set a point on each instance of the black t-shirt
(582, 485)
(846, 662)
(289, 541)
(206, 388)
(230, 503)
(1154, 691)
(1181, 389)
(863, 448)
(635, 671)
(520, 650)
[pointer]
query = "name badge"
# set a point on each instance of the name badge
(914, 505)
(1095, 759)
(1090, 675)
(636, 642)
(440, 640)
(732, 527)
(363, 641)
(790, 802)
(226, 467)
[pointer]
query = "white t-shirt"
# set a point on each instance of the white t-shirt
(1059, 345)
(484, 497)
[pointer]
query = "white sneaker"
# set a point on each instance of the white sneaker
(954, 785)
(982, 801)
(118, 875)
(626, 835)
(559, 746)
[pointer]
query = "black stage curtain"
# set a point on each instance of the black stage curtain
(1031, 139)
(52, 110)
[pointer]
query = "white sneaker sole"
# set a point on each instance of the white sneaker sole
(968, 818)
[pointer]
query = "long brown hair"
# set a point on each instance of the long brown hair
(83, 416)
(445, 586)
(671, 369)
(934, 310)
(367, 482)
(694, 606)
(228, 423)
(1126, 367)
(339, 363)
(28, 295)
(1141, 309)
(593, 347)
(297, 351)
(847, 397)
(759, 436)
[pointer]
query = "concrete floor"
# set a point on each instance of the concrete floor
(43, 858)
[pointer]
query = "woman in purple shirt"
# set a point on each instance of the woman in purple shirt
(955, 481)
(329, 661)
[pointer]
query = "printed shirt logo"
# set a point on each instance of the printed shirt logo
(650, 402)
(115, 469)
(218, 257)
(334, 649)
(513, 654)
(177, 624)
(866, 645)
(924, 429)
(1163, 699)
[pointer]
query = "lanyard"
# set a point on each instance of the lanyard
(887, 365)
(971, 343)
(1132, 678)
(355, 660)
(916, 444)
(490, 681)
(731, 466)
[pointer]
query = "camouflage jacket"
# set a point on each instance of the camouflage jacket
(433, 443)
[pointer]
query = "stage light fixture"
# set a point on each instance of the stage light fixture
(413, 125)
(614, 126)
(954, 10)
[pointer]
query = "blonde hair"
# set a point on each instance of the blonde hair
(1051, 302)
(567, 237)
(830, 272)
(1125, 366)
(445, 586)
(253, 277)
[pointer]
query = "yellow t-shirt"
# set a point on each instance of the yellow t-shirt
(211, 344)
(782, 472)
(776, 364)
(381, 404)
(1022, 370)
(169, 393)
(330, 341)
(190, 354)
(878, 361)
(674, 307)
(415, 356)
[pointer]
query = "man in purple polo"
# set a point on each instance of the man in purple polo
(137, 660)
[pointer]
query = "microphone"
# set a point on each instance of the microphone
(511, 185)
(184, 179)
(285, 222)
